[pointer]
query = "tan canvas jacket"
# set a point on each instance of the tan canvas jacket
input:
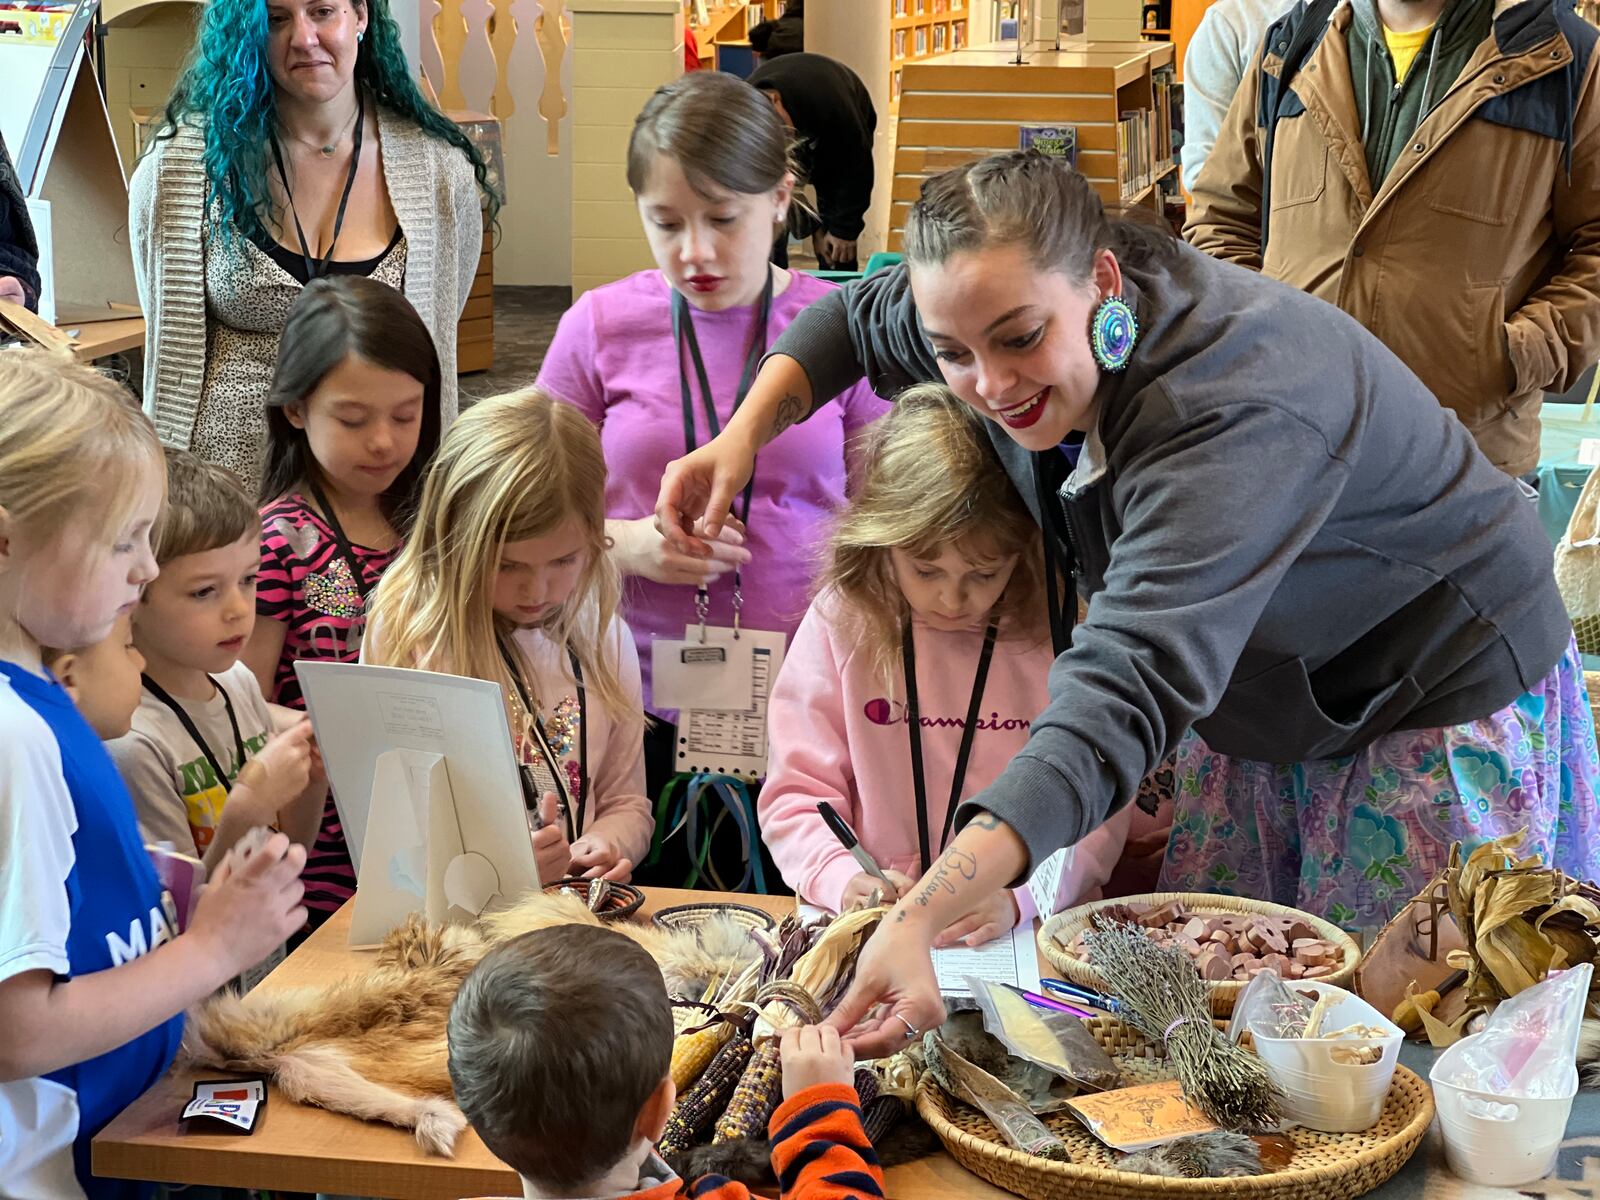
(1478, 260)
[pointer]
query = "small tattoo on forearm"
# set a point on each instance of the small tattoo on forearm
(956, 862)
(791, 409)
(985, 820)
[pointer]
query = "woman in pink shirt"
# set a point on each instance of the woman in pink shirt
(653, 357)
(932, 620)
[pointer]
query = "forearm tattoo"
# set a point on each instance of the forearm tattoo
(791, 409)
(955, 862)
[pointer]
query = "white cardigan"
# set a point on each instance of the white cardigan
(435, 197)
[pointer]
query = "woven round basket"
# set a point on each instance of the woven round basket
(623, 902)
(692, 916)
(1326, 1166)
(1059, 930)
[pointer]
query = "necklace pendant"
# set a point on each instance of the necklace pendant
(327, 151)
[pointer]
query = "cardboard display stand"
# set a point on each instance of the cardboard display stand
(427, 788)
(55, 124)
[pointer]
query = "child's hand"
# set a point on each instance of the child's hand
(595, 856)
(812, 1055)
(286, 760)
(995, 916)
(858, 892)
(550, 849)
(251, 904)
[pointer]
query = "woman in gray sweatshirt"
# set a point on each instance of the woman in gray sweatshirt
(1301, 574)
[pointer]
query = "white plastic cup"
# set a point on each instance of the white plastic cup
(1319, 1092)
(1501, 1141)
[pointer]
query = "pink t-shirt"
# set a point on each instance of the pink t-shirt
(614, 357)
(838, 734)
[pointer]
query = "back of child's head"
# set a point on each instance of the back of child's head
(104, 680)
(336, 317)
(932, 481)
(558, 1038)
(511, 467)
(207, 508)
(74, 448)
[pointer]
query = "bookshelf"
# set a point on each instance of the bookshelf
(922, 29)
(1116, 95)
(726, 24)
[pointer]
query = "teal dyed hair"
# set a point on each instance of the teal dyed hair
(226, 85)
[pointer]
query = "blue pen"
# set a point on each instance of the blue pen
(1086, 995)
(1039, 1001)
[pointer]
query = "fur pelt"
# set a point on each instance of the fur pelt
(373, 1045)
(749, 1160)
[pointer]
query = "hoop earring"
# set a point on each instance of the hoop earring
(1113, 333)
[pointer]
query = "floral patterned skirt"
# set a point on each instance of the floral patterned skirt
(1354, 838)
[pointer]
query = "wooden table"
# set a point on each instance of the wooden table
(300, 1149)
(101, 339)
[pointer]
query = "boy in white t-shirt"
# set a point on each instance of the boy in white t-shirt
(202, 761)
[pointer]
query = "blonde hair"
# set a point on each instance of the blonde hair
(74, 447)
(511, 468)
(932, 481)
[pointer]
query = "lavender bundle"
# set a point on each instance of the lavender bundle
(1164, 998)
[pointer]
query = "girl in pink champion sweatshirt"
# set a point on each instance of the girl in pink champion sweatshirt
(937, 544)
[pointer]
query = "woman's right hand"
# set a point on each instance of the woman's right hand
(551, 854)
(859, 890)
(697, 492)
(638, 548)
(251, 905)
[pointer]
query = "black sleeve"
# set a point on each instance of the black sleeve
(843, 178)
(19, 252)
(869, 327)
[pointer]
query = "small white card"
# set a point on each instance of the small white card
(237, 1103)
(1048, 881)
(713, 674)
(732, 741)
(1589, 452)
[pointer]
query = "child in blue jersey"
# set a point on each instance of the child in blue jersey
(93, 980)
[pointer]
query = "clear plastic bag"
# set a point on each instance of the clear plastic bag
(1529, 1046)
(1268, 1007)
(1056, 1041)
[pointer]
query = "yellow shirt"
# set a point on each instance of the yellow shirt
(1404, 48)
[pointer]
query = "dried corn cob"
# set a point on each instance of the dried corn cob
(698, 1107)
(866, 1087)
(692, 1053)
(756, 1098)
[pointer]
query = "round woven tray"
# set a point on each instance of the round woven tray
(623, 902)
(1326, 1166)
(1067, 925)
(692, 916)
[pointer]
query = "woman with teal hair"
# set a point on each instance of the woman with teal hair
(296, 144)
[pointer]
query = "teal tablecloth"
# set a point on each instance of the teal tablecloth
(1561, 476)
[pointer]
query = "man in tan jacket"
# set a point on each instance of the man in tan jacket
(1433, 168)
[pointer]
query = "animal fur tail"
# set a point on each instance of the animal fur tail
(324, 1076)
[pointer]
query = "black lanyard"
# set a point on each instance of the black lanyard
(184, 719)
(316, 268)
(683, 335)
(358, 574)
(968, 733)
(530, 793)
(1063, 609)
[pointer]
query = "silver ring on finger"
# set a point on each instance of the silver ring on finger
(911, 1030)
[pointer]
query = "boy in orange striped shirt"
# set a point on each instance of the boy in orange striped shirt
(560, 1042)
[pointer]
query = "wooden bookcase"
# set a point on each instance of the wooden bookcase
(727, 24)
(920, 30)
(957, 108)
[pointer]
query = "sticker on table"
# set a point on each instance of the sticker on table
(236, 1104)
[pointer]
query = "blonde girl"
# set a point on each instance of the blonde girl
(93, 977)
(912, 680)
(506, 577)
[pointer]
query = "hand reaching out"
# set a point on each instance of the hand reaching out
(550, 850)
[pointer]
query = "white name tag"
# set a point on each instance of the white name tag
(696, 674)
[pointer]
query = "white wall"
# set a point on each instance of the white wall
(856, 33)
(535, 244)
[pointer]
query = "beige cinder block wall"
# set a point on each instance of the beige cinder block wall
(622, 50)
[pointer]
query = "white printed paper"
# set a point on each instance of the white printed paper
(233, 1102)
(1589, 452)
(1011, 958)
(715, 674)
(732, 742)
(1046, 883)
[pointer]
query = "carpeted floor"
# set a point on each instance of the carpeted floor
(525, 320)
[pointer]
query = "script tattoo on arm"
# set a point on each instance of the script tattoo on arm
(791, 409)
(955, 862)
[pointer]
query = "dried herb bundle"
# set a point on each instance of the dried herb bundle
(1165, 999)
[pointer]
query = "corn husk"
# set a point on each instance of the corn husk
(824, 970)
(1520, 920)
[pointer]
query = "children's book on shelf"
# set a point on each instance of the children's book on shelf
(1058, 141)
(922, 41)
(958, 35)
